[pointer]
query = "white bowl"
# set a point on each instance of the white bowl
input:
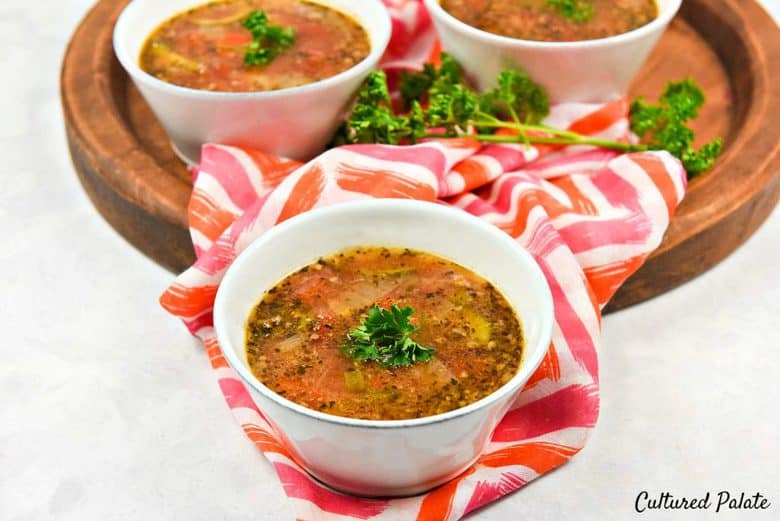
(582, 71)
(395, 457)
(297, 122)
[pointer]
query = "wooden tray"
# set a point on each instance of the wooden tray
(731, 47)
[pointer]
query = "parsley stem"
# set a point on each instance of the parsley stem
(558, 137)
(520, 130)
(489, 117)
(499, 138)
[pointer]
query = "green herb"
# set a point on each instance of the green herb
(664, 124)
(517, 97)
(373, 120)
(577, 10)
(519, 105)
(415, 86)
(383, 337)
(268, 41)
(451, 107)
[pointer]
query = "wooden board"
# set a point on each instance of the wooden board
(731, 47)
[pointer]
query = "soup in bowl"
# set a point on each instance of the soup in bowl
(593, 59)
(467, 340)
(209, 47)
(548, 21)
(250, 73)
(375, 338)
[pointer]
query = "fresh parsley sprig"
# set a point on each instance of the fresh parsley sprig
(268, 41)
(517, 97)
(416, 85)
(577, 10)
(452, 107)
(383, 337)
(665, 121)
(518, 104)
(373, 121)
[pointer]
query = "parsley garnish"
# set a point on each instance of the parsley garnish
(383, 337)
(577, 10)
(518, 104)
(268, 41)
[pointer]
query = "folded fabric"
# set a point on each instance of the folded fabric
(590, 217)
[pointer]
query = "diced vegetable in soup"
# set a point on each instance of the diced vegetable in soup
(554, 20)
(302, 338)
(211, 47)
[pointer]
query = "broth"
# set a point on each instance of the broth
(204, 47)
(295, 335)
(538, 20)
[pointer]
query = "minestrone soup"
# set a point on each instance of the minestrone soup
(297, 337)
(205, 47)
(542, 20)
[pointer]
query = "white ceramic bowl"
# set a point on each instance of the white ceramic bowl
(581, 71)
(296, 122)
(398, 457)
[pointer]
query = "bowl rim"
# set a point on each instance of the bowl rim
(528, 263)
(134, 69)
(663, 18)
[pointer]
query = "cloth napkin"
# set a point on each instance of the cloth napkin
(590, 217)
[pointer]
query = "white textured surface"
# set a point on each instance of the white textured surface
(108, 409)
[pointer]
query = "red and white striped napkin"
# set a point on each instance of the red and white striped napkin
(590, 217)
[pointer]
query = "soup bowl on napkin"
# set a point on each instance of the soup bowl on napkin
(395, 457)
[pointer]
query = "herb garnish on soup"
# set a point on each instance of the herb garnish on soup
(268, 41)
(384, 334)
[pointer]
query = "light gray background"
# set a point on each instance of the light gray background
(108, 409)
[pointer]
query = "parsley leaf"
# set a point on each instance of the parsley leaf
(452, 108)
(414, 86)
(383, 337)
(373, 121)
(577, 10)
(664, 125)
(268, 41)
(517, 97)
